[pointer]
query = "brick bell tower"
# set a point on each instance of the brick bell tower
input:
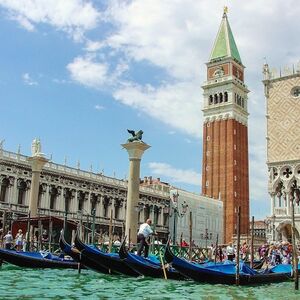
(225, 173)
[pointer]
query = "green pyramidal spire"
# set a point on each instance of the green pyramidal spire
(225, 45)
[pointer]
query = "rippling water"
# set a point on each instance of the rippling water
(18, 283)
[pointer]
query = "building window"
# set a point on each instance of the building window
(207, 183)
(208, 124)
(207, 168)
(234, 146)
(234, 131)
(225, 97)
(234, 162)
(207, 153)
(221, 97)
(235, 194)
(208, 138)
(216, 98)
(234, 178)
(210, 100)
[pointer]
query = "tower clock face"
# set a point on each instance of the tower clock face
(219, 72)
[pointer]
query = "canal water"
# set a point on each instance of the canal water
(18, 283)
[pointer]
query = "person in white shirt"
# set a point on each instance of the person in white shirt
(230, 252)
(8, 239)
(144, 232)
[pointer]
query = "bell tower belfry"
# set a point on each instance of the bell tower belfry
(225, 170)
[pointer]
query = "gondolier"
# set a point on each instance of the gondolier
(144, 232)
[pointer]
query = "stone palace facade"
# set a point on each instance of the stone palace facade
(282, 92)
(66, 191)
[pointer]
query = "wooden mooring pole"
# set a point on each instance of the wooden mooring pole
(237, 277)
(216, 251)
(28, 233)
(110, 232)
(191, 236)
(295, 252)
(252, 243)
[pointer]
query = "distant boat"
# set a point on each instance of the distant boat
(95, 258)
(146, 266)
(36, 259)
(224, 273)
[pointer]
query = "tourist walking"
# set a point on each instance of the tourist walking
(144, 232)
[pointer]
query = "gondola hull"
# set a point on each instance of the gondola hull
(109, 261)
(146, 267)
(223, 274)
(35, 260)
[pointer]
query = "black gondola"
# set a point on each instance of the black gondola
(223, 273)
(67, 249)
(36, 259)
(110, 261)
(145, 266)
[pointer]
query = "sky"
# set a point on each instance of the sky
(77, 74)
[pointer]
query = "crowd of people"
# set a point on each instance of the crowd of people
(272, 254)
(20, 240)
(9, 242)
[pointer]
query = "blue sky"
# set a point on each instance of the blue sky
(78, 73)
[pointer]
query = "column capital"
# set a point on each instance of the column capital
(135, 149)
(37, 163)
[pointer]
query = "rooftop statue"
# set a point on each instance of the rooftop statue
(136, 136)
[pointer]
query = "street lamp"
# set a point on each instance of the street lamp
(176, 213)
(93, 212)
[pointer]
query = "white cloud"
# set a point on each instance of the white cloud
(175, 175)
(166, 103)
(88, 72)
(92, 46)
(99, 107)
(28, 80)
(72, 16)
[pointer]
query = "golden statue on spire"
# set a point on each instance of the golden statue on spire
(225, 10)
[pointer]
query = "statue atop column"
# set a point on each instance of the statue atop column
(136, 136)
(36, 148)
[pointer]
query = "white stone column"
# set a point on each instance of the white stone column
(37, 162)
(113, 208)
(74, 205)
(99, 208)
(12, 191)
(135, 151)
(89, 204)
(288, 204)
(272, 203)
(160, 216)
(152, 213)
(142, 215)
